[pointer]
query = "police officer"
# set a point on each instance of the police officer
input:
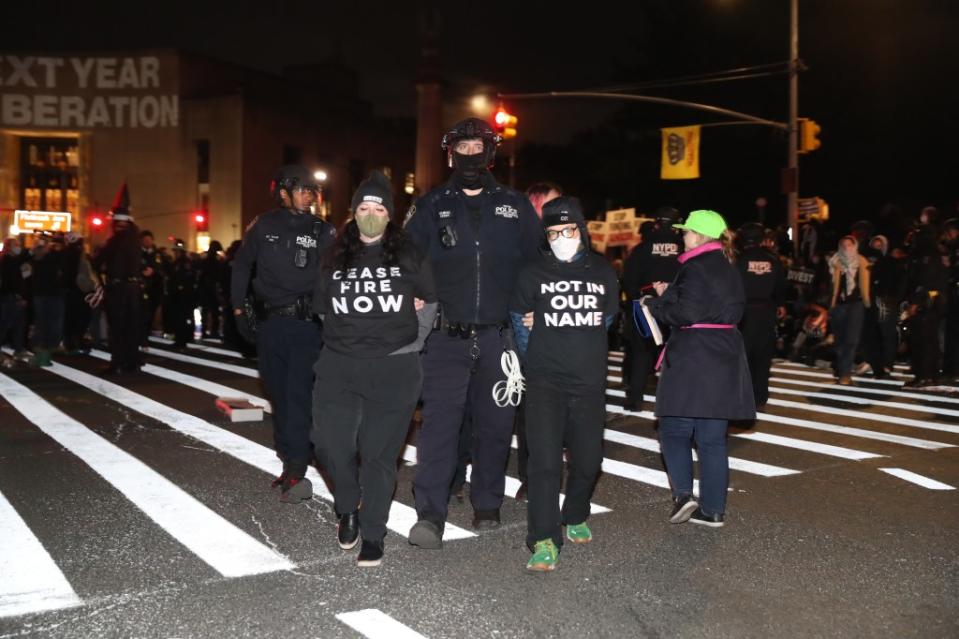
(764, 281)
(950, 365)
(181, 294)
(285, 245)
(655, 259)
(120, 258)
(152, 282)
(927, 286)
(477, 234)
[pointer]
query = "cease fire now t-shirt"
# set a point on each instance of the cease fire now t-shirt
(368, 308)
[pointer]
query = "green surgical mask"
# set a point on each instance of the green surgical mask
(371, 225)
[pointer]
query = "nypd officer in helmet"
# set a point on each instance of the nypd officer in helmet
(478, 233)
(285, 245)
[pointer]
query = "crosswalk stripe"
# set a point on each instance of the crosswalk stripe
(799, 365)
(861, 433)
(205, 348)
(811, 372)
(375, 624)
(735, 463)
(868, 391)
(852, 399)
(31, 582)
(223, 546)
(512, 484)
(213, 388)
(879, 417)
(917, 479)
(209, 363)
(808, 373)
(788, 442)
(401, 518)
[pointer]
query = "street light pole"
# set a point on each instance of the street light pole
(792, 182)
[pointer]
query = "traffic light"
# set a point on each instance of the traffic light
(505, 123)
(809, 132)
(201, 221)
(96, 222)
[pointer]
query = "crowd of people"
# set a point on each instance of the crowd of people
(489, 308)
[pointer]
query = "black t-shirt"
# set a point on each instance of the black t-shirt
(764, 279)
(570, 302)
(368, 308)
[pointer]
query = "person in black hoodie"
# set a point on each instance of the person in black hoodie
(368, 375)
(705, 377)
(48, 298)
(573, 295)
(120, 259)
(13, 304)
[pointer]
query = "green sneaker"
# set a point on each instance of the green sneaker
(544, 556)
(579, 533)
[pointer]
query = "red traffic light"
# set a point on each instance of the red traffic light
(201, 221)
(501, 118)
(200, 218)
(96, 221)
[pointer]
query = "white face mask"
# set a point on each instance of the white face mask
(564, 248)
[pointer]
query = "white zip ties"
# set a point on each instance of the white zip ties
(509, 392)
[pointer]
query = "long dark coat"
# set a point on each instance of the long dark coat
(704, 371)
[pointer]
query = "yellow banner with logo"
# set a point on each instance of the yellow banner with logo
(680, 153)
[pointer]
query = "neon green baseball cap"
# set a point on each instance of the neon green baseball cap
(705, 222)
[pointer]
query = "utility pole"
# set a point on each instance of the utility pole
(792, 180)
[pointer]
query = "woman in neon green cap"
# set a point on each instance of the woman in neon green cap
(705, 378)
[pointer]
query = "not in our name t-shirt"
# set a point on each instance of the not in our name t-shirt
(570, 302)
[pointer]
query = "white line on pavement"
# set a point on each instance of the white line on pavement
(788, 442)
(870, 391)
(223, 546)
(839, 429)
(374, 624)
(919, 480)
(512, 484)
(401, 518)
(865, 401)
(189, 359)
(31, 582)
(200, 347)
(877, 417)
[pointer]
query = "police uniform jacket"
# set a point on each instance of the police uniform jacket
(120, 256)
(655, 259)
(764, 279)
(475, 276)
(287, 248)
(704, 370)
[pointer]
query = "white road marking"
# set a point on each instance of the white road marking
(217, 390)
(401, 518)
(512, 484)
(869, 391)
(788, 442)
(861, 433)
(375, 624)
(189, 359)
(877, 417)
(852, 399)
(742, 465)
(223, 546)
(31, 582)
(200, 347)
(919, 480)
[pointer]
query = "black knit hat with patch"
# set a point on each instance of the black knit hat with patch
(563, 210)
(377, 189)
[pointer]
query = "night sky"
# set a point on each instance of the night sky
(881, 82)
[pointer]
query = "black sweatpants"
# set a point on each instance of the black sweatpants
(556, 415)
(363, 407)
(123, 319)
(758, 327)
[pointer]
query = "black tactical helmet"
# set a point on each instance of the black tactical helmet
(667, 214)
(289, 177)
(751, 234)
(473, 128)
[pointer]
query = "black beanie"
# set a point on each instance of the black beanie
(376, 188)
(563, 210)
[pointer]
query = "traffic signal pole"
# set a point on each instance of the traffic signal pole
(792, 211)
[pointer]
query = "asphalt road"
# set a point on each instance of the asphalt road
(129, 507)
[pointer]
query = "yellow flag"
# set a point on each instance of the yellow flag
(680, 153)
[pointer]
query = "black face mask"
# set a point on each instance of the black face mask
(469, 170)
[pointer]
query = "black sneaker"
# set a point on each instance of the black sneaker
(348, 532)
(486, 519)
(371, 553)
(426, 534)
(683, 507)
(701, 518)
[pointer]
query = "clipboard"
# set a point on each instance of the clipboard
(645, 322)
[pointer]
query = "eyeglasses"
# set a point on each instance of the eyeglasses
(568, 232)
